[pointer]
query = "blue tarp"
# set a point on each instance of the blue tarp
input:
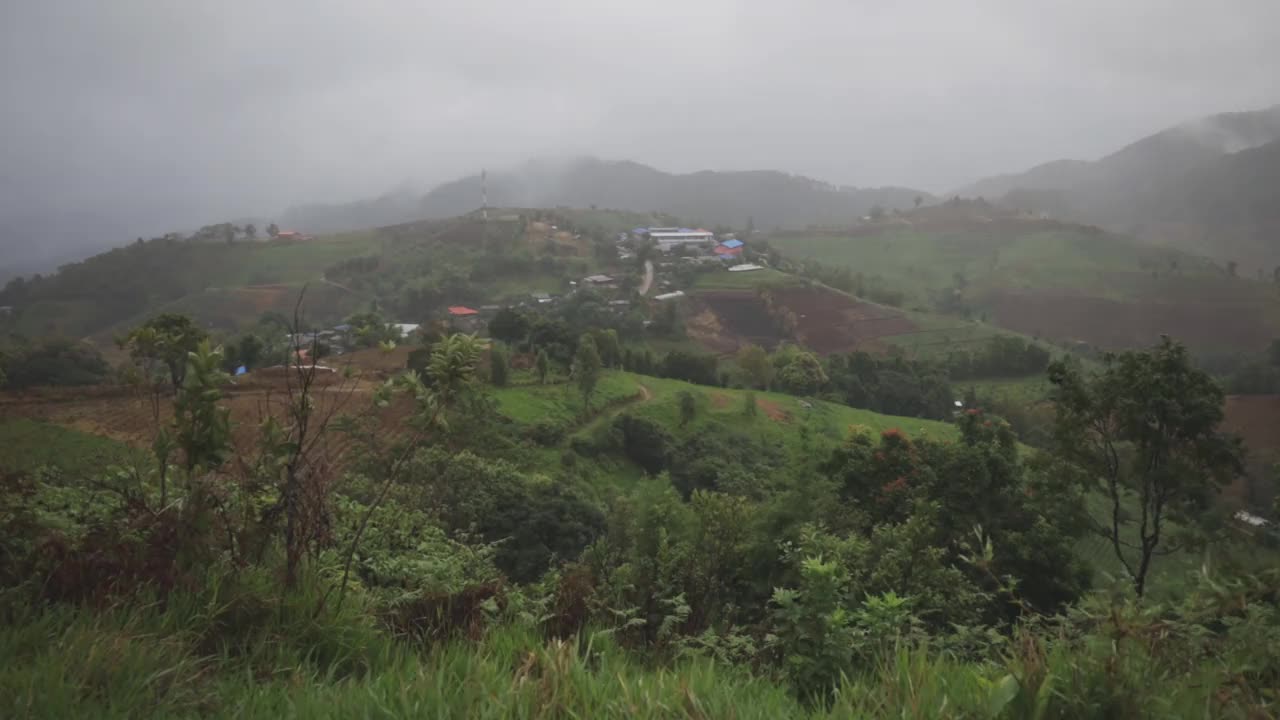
(732, 243)
(241, 370)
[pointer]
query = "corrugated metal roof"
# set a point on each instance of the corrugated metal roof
(462, 310)
(681, 233)
(732, 243)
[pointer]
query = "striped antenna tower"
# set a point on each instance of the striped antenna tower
(484, 195)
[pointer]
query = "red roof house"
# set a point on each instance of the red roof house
(462, 311)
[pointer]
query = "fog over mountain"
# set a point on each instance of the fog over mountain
(1211, 185)
(767, 198)
(139, 116)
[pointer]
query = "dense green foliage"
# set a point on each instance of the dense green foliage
(1146, 425)
(53, 361)
(112, 287)
(632, 546)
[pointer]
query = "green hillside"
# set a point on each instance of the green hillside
(921, 262)
(1062, 282)
(413, 271)
(86, 297)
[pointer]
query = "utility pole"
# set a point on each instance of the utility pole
(484, 208)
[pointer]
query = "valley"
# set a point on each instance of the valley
(627, 443)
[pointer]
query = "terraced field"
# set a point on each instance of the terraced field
(816, 317)
(1062, 282)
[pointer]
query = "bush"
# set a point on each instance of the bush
(55, 361)
(645, 442)
(547, 432)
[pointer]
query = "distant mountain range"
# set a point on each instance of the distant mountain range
(1210, 186)
(766, 197)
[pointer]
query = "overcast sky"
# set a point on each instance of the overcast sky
(190, 110)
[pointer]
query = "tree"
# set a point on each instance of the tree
(754, 361)
(510, 326)
(248, 352)
(586, 368)
(543, 365)
(273, 230)
(918, 200)
(609, 347)
(370, 329)
(877, 212)
(1231, 268)
(688, 407)
(1146, 427)
(164, 341)
(202, 429)
(498, 366)
(251, 231)
(799, 372)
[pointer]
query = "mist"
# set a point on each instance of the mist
(148, 115)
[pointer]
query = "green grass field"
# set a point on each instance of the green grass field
(1099, 264)
(779, 417)
(561, 402)
(1026, 389)
(780, 420)
(26, 445)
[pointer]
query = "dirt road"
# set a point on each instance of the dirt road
(648, 278)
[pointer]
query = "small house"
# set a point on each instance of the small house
(598, 279)
(464, 318)
(669, 296)
(745, 267)
(540, 297)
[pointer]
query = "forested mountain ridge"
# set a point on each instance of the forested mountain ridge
(1209, 186)
(768, 198)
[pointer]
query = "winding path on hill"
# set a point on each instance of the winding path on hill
(648, 280)
(643, 395)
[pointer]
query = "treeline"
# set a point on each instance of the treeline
(48, 362)
(999, 356)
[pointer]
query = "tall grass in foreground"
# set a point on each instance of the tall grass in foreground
(237, 652)
(237, 648)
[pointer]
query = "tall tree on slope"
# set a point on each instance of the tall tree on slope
(1145, 427)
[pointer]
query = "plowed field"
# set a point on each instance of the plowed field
(822, 320)
(1129, 323)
